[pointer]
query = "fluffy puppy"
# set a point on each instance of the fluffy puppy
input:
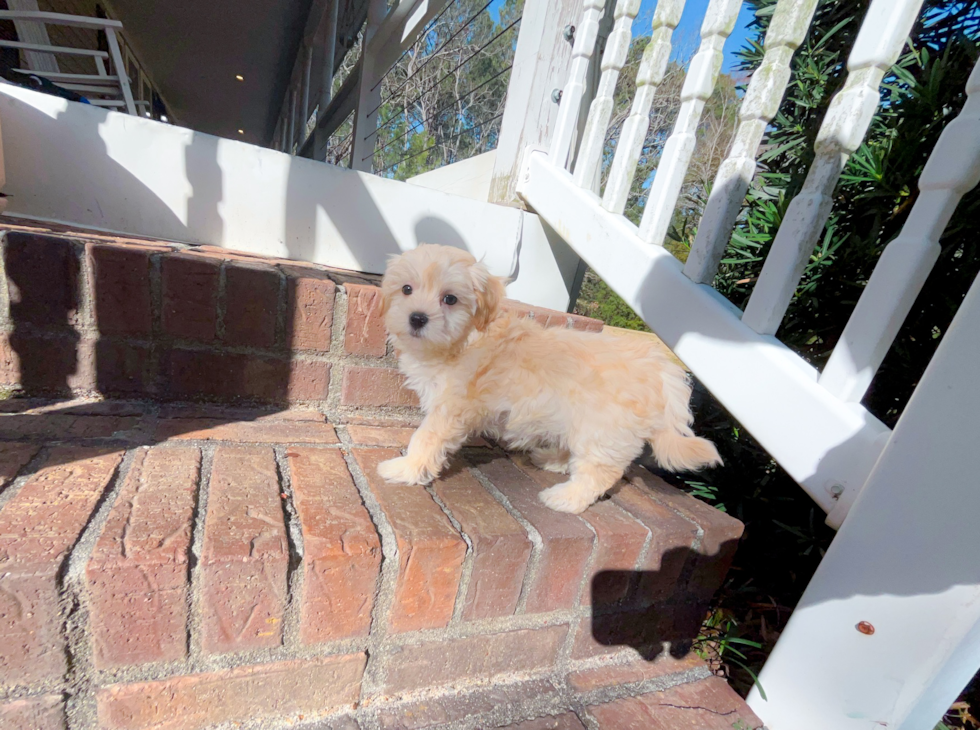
(582, 403)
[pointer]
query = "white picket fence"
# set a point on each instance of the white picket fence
(914, 575)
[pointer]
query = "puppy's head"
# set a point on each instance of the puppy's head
(434, 296)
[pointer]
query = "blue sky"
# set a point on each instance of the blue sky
(687, 35)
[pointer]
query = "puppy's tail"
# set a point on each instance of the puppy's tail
(675, 447)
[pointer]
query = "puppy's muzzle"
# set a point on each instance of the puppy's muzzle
(418, 320)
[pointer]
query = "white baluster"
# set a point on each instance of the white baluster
(787, 29)
(594, 137)
(719, 21)
(650, 75)
(571, 98)
(952, 170)
(877, 47)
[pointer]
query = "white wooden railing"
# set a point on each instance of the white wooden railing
(102, 88)
(824, 673)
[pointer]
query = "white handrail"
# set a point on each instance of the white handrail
(79, 21)
(786, 32)
(952, 170)
(877, 47)
(600, 111)
(719, 22)
(650, 75)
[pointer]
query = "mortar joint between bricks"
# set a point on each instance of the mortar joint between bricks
(467, 569)
(537, 544)
(221, 302)
(80, 703)
(374, 673)
(156, 296)
(194, 568)
(294, 540)
(338, 330)
(280, 341)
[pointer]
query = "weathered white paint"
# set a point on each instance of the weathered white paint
(540, 67)
(571, 101)
(600, 111)
(719, 22)
(469, 178)
(76, 164)
(879, 42)
(32, 32)
(372, 71)
(120, 68)
(906, 562)
(787, 29)
(649, 76)
(827, 446)
(952, 170)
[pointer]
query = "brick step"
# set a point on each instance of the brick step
(167, 569)
(122, 318)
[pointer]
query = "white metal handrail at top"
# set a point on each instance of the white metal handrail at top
(826, 674)
(99, 84)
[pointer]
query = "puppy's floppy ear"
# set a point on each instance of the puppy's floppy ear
(490, 291)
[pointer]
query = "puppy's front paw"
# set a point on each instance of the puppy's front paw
(567, 497)
(401, 471)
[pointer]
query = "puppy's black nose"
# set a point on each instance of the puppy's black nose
(417, 320)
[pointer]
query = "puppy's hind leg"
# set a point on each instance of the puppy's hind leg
(589, 481)
(551, 458)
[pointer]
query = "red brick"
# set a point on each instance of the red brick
(610, 675)
(642, 631)
(98, 427)
(585, 324)
(473, 658)
(430, 551)
(213, 412)
(42, 279)
(378, 436)
(46, 712)
(452, 707)
(568, 721)
(250, 306)
(121, 284)
(286, 432)
(499, 544)
(229, 377)
(283, 691)
(309, 309)
(670, 548)
(245, 554)
(35, 425)
(365, 333)
(49, 363)
(364, 386)
(13, 457)
(619, 541)
(124, 368)
(566, 540)
(709, 704)
(190, 297)
(138, 573)
(720, 532)
(341, 550)
(38, 527)
(309, 380)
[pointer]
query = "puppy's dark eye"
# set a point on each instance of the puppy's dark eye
(406, 290)
(450, 299)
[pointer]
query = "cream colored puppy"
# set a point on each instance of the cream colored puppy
(580, 402)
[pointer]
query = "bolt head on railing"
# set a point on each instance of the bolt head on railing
(556, 96)
(569, 33)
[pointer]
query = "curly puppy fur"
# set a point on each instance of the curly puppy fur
(582, 403)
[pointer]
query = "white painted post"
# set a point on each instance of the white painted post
(888, 631)
(952, 170)
(369, 94)
(571, 96)
(31, 32)
(540, 69)
(593, 138)
(649, 76)
(879, 42)
(787, 29)
(121, 71)
(719, 22)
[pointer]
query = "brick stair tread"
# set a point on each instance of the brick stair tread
(262, 541)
